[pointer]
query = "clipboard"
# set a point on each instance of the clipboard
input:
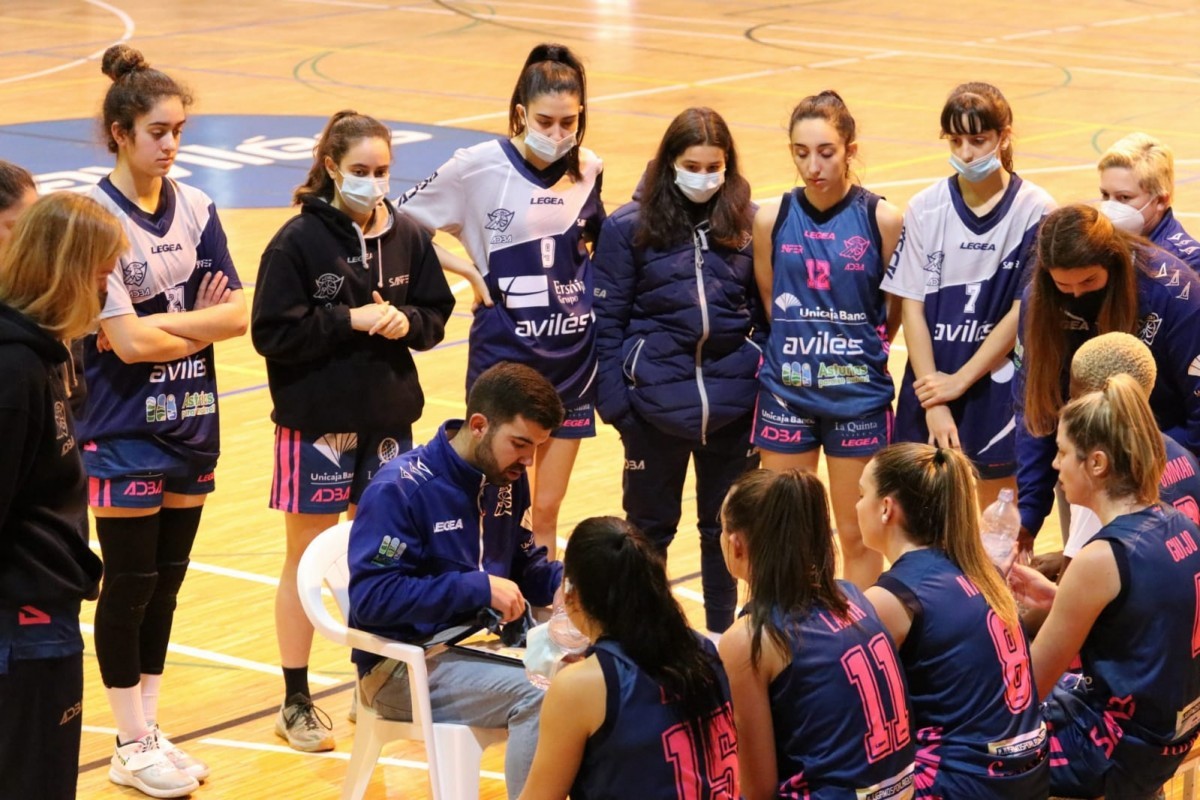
(474, 640)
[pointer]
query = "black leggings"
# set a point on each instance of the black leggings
(145, 561)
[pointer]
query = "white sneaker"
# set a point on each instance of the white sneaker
(145, 767)
(306, 727)
(182, 761)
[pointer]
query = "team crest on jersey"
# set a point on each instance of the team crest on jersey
(388, 449)
(933, 269)
(134, 273)
(175, 300)
(856, 247)
(499, 220)
(328, 285)
(390, 550)
(1148, 328)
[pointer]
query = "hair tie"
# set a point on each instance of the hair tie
(939, 456)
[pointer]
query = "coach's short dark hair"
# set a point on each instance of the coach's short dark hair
(507, 390)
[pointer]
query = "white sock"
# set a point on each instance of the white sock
(126, 704)
(149, 685)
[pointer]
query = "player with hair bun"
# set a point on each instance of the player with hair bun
(150, 431)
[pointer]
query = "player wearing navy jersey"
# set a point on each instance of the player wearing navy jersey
(646, 713)
(1137, 183)
(818, 694)
(974, 705)
(960, 266)
(344, 290)
(1127, 606)
(55, 265)
(677, 369)
(819, 258)
(1093, 278)
(150, 428)
(527, 210)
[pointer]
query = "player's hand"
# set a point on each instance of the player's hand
(214, 290)
(392, 322)
(103, 345)
(1025, 545)
(483, 296)
(938, 389)
(506, 598)
(942, 430)
(365, 318)
(1031, 588)
(1049, 564)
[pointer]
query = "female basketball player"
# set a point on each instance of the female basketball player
(344, 290)
(1137, 182)
(967, 243)
(818, 693)
(51, 275)
(646, 712)
(675, 306)
(975, 710)
(527, 209)
(1093, 278)
(150, 431)
(17, 193)
(1127, 607)
(819, 258)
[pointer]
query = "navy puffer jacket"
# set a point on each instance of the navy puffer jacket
(674, 330)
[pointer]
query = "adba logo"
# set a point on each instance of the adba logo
(240, 161)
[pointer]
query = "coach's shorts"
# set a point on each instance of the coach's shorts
(134, 473)
(579, 423)
(780, 428)
(322, 473)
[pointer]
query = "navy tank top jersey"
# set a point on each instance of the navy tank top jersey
(1141, 655)
(827, 351)
(646, 749)
(974, 702)
(840, 708)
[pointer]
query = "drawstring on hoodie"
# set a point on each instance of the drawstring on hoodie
(362, 244)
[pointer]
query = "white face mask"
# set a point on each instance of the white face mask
(546, 148)
(1125, 217)
(699, 187)
(363, 194)
(978, 169)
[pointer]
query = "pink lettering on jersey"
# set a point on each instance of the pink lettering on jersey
(28, 615)
(1181, 546)
(1177, 469)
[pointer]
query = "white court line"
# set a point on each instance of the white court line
(129, 26)
(99, 729)
(336, 756)
(232, 661)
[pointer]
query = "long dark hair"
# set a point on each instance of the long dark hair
(935, 487)
(135, 90)
(784, 517)
(978, 107)
(664, 219)
(550, 69)
(621, 582)
(1073, 237)
(15, 181)
(343, 130)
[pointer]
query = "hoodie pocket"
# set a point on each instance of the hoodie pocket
(631, 361)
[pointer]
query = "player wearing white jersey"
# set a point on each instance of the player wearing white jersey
(963, 258)
(527, 210)
(150, 427)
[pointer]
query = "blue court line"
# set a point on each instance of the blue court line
(261, 386)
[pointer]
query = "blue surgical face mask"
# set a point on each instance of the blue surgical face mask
(978, 169)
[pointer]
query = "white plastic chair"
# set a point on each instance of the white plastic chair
(453, 751)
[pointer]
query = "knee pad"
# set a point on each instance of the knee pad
(170, 578)
(123, 598)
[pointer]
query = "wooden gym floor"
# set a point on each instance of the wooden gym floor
(1078, 75)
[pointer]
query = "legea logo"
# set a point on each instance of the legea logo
(240, 161)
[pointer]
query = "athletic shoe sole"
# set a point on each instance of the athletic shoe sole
(132, 780)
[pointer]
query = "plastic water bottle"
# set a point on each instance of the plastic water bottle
(548, 644)
(998, 528)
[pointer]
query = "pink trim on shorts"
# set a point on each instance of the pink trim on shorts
(286, 476)
(99, 492)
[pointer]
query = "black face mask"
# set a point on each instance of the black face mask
(1086, 306)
